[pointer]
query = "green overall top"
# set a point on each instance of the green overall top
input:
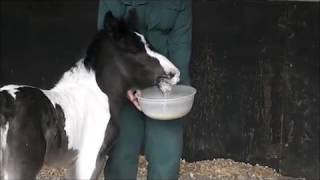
(166, 24)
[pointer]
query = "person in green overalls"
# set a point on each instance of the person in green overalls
(167, 24)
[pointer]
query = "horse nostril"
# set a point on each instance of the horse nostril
(167, 76)
(170, 75)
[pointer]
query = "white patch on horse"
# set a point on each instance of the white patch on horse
(166, 64)
(3, 144)
(3, 135)
(11, 89)
(86, 111)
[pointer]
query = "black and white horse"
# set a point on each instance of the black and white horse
(74, 124)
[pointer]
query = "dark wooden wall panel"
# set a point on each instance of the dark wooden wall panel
(256, 67)
(42, 39)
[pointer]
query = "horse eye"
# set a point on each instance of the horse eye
(133, 50)
(129, 48)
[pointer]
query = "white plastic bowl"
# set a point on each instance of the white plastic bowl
(167, 107)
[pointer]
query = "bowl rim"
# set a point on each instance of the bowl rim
(171, 99)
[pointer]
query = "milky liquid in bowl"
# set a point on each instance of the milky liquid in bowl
(172, 105)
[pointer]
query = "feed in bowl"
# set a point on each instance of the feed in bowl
(173, 105)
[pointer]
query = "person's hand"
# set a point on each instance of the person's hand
(132, 96)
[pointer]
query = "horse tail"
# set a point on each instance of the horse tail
(6, 111)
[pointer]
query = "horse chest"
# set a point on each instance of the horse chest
(85, 118)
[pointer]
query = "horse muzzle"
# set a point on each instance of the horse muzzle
(166, 81)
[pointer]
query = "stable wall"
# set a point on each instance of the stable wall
(255, 65)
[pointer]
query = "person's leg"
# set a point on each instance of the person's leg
(123, 160)
(163, 148)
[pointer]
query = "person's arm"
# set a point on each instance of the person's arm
(179, 42)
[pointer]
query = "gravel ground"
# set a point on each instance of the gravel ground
(201, 170)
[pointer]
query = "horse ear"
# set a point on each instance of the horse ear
(110, 23)
(132, 19)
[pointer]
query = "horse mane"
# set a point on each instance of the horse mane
(76, 75)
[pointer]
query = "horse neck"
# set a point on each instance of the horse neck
(106, 78)
(112, 81)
